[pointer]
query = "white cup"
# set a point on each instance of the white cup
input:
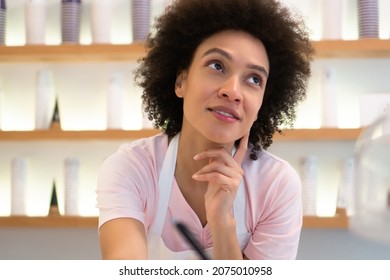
(332, 11)
(35, 19)
(101, 21)
(45, 99)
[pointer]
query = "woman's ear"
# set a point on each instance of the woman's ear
(180, 84)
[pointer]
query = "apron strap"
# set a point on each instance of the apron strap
(165, 182)
(239, 208)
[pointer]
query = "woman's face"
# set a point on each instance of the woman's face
(223, 88)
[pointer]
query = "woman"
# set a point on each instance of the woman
(220, 78)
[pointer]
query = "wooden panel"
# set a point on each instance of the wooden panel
(321, 134)
(363, 48)
(338, 221)
(57, 221)
(49, 222)
(71, 53)
(56, 133)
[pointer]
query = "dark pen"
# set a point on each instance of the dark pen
(182, 228)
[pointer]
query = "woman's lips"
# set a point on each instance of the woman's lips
(225, 114)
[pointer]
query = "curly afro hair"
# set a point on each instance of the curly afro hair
(186, 23)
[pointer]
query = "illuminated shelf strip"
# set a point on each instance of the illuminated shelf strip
(363, 48)
(338, 221)
(92, 222)
(323, 134)
(71, 53)
(49, 222)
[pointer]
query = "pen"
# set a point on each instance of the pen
(182, 228)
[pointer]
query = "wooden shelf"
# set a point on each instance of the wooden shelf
(338, 221)
(92, 222)
(48, 222)
(367, 48)
(321, 134)
(56, 133)
(363, 48)
(71, 53)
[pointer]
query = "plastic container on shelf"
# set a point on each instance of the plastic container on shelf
(19, 179)
(71, 186)
(101, 12)
(371, 203)
(332, 21)
(309, 177)
(35, 21)
(45, 99)
(346, 186)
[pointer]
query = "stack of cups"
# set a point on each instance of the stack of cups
(70, 20)
(368, 18)
(36, 13)
(309, 185)
(71, 181)
(140, 19)
(2, 21)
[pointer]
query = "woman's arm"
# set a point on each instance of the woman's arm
(123, 238)
(223, 174)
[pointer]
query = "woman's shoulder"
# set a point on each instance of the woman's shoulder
(142, 154)
(272, 171)
(149, 145)
(269, 161)
(150, 148)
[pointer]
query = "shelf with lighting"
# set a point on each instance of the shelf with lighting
(57, 221)
(55, 133)
(363, 48)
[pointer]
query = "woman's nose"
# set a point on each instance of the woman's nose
(231, 89)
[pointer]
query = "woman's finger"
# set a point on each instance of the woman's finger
(242, 149)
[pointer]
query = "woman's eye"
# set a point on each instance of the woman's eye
(255, 80)
(217, 66)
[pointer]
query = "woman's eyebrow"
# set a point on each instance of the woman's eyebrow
(219, 51)
(229, 57)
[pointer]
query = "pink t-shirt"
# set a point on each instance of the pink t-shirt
(128, 184)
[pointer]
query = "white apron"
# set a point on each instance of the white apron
(156, 246)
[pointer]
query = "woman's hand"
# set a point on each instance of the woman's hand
(223, 174)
